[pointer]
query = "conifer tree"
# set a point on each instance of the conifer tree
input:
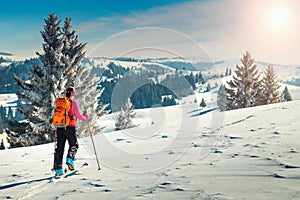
(286, 95)
(60, 68)
(270, 93)
(72, 52)
(86, 88)
(129, 114)
(80, 76)
(1, 126)
(10, 115)
(120, 121)
(124, 119)
(245, 88)
(46, 83)
(3, 115)
(208, 88)
(202, 104)
(222, 98)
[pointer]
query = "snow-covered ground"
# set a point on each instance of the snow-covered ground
(7, 100)
(178, 152)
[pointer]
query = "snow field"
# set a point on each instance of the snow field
(254, 156)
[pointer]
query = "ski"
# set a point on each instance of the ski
(67, 174)
(71, 173)
(56, 178)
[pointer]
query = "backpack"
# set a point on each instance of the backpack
(61, 116)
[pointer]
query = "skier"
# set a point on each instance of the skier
(68, 133)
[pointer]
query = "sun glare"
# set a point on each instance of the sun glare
(279, 17)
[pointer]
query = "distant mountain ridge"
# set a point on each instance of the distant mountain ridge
(286, 73)
(5, 54)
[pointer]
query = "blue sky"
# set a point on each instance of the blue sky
(21, 21)
(220, 29)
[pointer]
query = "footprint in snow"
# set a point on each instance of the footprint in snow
(96, 184)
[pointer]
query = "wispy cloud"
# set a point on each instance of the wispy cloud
(226, 28)
(178, 28)
(200, 19)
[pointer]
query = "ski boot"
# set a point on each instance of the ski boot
(70, 164)
(59, 172)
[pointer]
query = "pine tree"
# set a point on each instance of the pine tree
(10, 115)
(1, 126)
(270, 93)
(120, 121)
(222, 98)
(124, 119)
(286, 95)
(129, 114)
(208, 88)
(80, 76)
(202, 104)
(46, 83)
(60, 68)
(72, 52)
(245, 88)
(86, 89)
(3, 115)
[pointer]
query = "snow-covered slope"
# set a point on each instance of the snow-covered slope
(104, 62)
(185, 153)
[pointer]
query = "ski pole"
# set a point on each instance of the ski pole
(93, 145)
(55, 145)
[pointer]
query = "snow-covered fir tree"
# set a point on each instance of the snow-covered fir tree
(286, 94)
(46, 82)
(270, 93)
(244, 89)
(222, 98)
(124, 119)
(60, 59)
(72, 52)
(120, 123)
(3, 137)
(87, 97)
(80, 76)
